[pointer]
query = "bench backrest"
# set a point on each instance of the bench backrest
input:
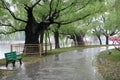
(10, 55)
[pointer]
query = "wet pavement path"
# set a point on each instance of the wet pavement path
(74, 65)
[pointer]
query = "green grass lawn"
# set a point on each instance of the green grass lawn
(110, 65)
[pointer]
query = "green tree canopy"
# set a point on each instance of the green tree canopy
(35, 16)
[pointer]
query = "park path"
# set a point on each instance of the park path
(74, 65)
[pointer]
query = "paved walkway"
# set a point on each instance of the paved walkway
(75, 65)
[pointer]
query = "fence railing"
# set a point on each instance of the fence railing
(31, 48)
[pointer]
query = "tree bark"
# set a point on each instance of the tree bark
(33, 31)
(99, 40)
(107, 42)
(41, 37)
(80, 40)
(32, 37)
(56, 36)
(31, 34)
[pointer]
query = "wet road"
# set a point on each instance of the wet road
(75, 65)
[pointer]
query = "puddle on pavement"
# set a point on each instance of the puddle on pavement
(10, 67)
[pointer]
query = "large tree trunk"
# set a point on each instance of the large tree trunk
(56, 36)
(31, 38)
(33, 31)
(32, 34)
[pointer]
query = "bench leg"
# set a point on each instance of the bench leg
(20, 60)
(7, 63)
(13, 62)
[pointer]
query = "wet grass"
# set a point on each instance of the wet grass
(2, 62)
(5, 72)
(109, 64)
(61, 50)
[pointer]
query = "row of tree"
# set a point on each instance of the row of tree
(71, 18)
(107, 24)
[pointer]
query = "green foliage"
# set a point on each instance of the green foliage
(62, 11)
(117, 7)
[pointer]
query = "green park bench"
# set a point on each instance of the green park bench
(12, 57)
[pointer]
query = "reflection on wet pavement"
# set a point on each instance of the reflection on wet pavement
(75, 65)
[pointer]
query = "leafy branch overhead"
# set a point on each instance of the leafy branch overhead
(18, 12)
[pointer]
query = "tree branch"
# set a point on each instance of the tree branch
(115, 31)
(56, 12)
(83, 6)
(35, 4)
(66, 7)
(57, 4)
(9, 25)
(1, 24)
(77, 19)
(12, 14)
(50, 8)
(68, 22)
(5, 33)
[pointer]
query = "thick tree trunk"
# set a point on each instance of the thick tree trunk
(31, 38)
(56, 36)
(31, 34)
(33, 31)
